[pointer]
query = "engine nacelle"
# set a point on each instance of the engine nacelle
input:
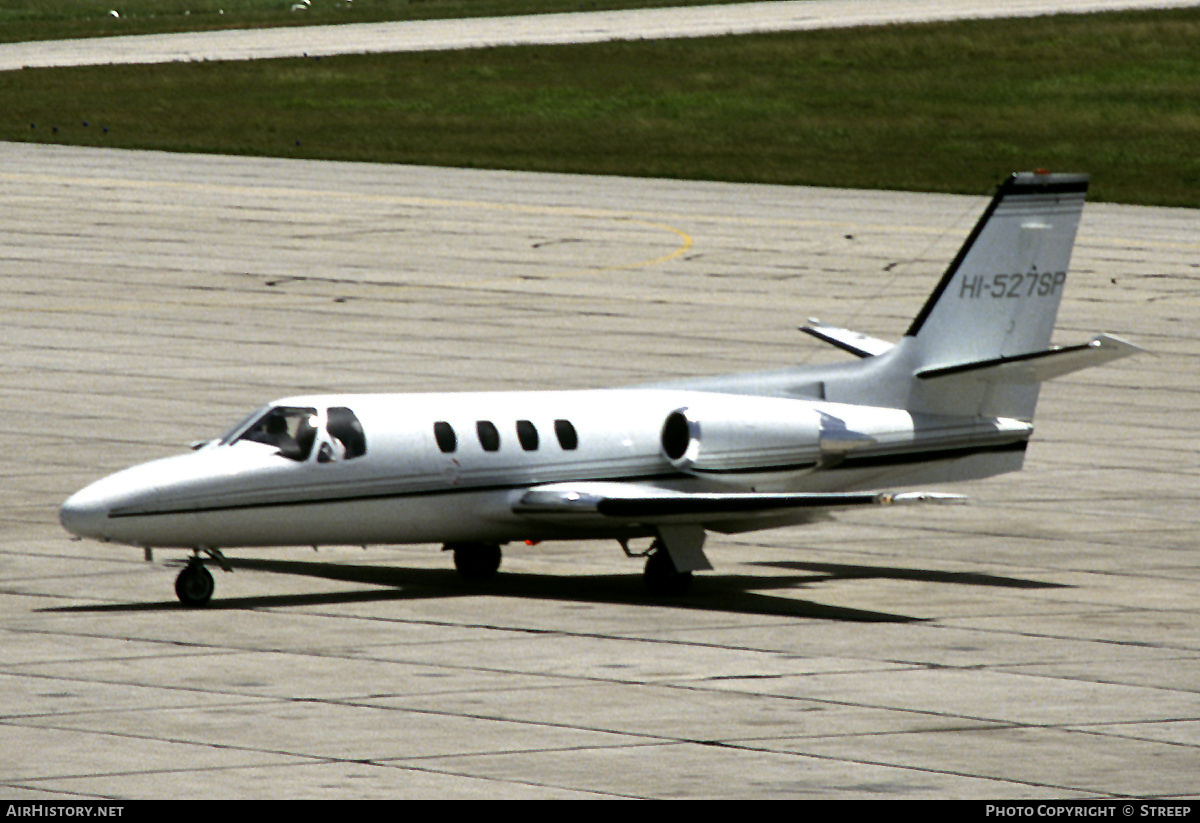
(736, 439)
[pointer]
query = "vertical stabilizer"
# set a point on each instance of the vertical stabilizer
(997, 301)
(1000, 296)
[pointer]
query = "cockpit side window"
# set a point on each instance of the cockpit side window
(291, 430)
(343, 426)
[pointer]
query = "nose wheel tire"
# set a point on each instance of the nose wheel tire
(194, 586)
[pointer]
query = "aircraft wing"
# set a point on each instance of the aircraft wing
(589, 504)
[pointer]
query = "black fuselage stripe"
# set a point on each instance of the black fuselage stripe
(776, 469)
(355, 498)
(868, 462)
(903, 459)
(873, 461)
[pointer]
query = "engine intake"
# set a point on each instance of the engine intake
(734, 441)
(677, 435)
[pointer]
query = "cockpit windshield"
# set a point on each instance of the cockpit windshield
(291, 430)
(295, 430)
(242, 425)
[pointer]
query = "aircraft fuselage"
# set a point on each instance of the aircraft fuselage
(452, 467)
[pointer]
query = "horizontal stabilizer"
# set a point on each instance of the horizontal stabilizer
(646, 505)
(1038, 366)
(860, 345)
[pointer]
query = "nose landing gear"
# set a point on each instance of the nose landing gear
(195, 585)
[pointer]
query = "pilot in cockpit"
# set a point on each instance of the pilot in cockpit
(270, 430)
(274, 430)
(295, 432)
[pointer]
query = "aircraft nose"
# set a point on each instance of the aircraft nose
(84, 514)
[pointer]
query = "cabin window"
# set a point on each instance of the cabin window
(343, 426)
(447, 440)
(567, 438)
(291, 430)
(527, 433)
(489, 437)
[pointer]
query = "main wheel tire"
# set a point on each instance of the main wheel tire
(476, 561)
(662, 578)
(194, 586)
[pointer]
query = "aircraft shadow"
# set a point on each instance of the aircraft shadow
(839, 571)
(740, 594)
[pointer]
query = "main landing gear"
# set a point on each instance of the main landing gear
(475, 561)
(481, 561)
(661, 576)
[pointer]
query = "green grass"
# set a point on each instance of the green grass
(22, 20)
(946, 107)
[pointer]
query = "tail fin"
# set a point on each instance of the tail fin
(981, 343)
(980, 346)
(1000, 296)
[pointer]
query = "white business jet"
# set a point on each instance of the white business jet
(952, 401)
